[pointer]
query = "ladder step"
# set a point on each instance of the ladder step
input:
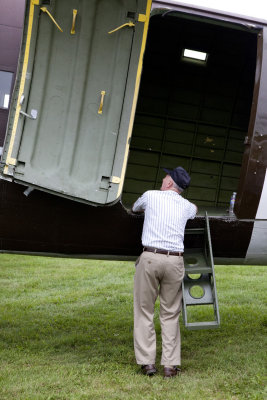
(202, 325)
(195, 261)
(204, 290)
(198, 270)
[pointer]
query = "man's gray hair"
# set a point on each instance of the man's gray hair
(177, 187)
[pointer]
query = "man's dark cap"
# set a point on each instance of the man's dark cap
(180, 176)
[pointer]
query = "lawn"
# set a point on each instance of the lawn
(66, 333)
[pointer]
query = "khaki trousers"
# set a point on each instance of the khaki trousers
(157, 274)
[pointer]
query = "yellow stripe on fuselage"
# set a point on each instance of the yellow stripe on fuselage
(10, 160)
(136, 90)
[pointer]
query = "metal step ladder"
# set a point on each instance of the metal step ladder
(199, 286)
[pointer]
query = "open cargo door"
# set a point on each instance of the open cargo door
(198, 113)
(75, 99)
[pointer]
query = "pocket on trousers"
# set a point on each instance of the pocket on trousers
(181, 269)
(137, 261)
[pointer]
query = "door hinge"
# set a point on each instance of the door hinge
(142, 18)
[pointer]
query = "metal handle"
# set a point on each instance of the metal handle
(33, 115)
(100, 110)
(74, 16)
(131, 24)
(45, 10)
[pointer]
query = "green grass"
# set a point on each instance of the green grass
(66, 333)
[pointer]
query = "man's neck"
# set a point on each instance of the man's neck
(174, 190)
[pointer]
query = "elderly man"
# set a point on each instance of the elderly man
(160, 271)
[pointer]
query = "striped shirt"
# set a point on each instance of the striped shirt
(166, 214)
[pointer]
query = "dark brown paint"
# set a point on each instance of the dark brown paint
(255, 154)
(47, 223)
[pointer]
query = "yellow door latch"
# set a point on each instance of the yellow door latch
(45, 10)
(74, 16)
(100, 110)
(131, 24)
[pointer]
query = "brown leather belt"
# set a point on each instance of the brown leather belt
(160, 251)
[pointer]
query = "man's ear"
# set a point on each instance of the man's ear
(170, 183)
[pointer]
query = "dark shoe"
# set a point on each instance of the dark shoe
(149, 369)
(171, 372)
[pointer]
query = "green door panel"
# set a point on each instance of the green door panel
(70, 147)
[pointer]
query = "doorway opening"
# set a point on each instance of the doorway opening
(190, 112)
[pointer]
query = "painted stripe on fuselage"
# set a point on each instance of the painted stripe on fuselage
(257, 249)
(136, 91)
(9, 159)
(262, 208)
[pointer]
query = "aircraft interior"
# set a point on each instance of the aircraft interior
(193, 112)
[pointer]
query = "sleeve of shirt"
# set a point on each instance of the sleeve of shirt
(140, 204)
(192, 210)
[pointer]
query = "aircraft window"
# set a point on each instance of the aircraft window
(5, 88)
(193, 55)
